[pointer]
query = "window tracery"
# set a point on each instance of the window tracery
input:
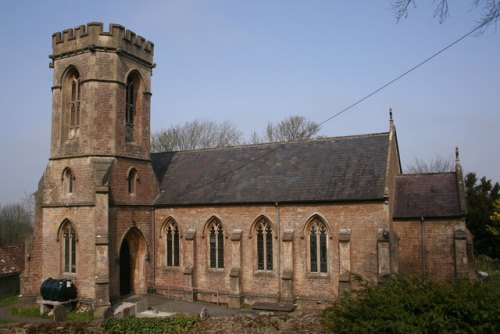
(318, 246)
(216, 244)
(69, 247)
(264, 233)
(172, 244)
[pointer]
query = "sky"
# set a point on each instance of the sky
(260, 61)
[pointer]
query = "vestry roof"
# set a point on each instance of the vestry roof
(330, 169)
(11, 260)
(427, 196)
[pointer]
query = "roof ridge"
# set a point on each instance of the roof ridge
(427, 174)
(274, 144)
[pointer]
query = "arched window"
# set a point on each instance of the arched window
(131, 106)
(69, 247)
(74, 106)
(172, 244)
(264, 232)
(216, 244)
(71, 104)
(318, 246)
(132, 181)
(68, 181)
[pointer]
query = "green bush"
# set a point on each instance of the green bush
(414, 305)
(178, 323)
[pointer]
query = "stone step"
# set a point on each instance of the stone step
(273, 307)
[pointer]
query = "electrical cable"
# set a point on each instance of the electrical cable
(279, 145)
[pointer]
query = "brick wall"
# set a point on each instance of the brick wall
(363, 219)
(427, 247)
(103, 76)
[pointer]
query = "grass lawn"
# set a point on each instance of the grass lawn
(8, 300)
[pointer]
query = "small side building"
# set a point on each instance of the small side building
(429, 220)
(11, 266)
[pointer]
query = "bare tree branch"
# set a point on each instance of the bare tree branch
(195, 135)
(489, 9)
(400, 8)
(437, 165)
(291, 129)
(16, 224)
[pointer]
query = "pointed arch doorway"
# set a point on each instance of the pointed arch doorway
(133, 251)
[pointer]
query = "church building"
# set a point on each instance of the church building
(287, 222)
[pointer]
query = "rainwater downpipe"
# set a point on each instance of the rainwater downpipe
(278, 230)
(422, 238)
(153, 218)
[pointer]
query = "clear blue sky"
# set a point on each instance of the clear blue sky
(251, 62)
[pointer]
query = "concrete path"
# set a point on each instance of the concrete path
(164, 304)
(153, 302)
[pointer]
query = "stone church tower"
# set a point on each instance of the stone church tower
(94, 200)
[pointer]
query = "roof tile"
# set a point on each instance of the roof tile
(327, 169)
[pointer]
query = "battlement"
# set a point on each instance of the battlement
(93, 37)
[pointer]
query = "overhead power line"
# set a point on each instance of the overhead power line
(257, 158)
(410, 70)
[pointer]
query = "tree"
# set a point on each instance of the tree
(16, 222)
(195, 135)
(483, 199)
(291, 129)
(490, 10)
(437, 165)
(495, 216)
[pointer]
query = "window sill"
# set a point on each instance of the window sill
(70, 276)
(173, 268)
(264, 273)
(318, 275)
(216, 270)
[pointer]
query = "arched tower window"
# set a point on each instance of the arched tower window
(132, 181)
(171, 233)
(216, 244)
(68, 236)
(68, 181)
(318, 246)
(132, 108)
(71, 104)
(74, 107)
(264, 232)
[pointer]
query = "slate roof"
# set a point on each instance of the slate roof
(427, 195)
(324, 170)
(11, 260)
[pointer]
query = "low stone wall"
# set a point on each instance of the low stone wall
(297, 322)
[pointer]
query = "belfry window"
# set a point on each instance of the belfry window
(130, 109)
(318, 246)
(172, 244)
(74, 106)
(69, 248)
(71, 104)
(216, 244)
(264, 233)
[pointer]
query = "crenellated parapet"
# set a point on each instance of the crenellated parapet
(92, 37)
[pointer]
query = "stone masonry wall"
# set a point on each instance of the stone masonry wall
(364, 220)
(435, 257)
